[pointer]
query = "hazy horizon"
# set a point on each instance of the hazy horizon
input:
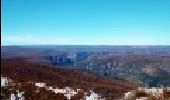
(84, 45)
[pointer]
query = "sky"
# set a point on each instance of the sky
(85, 22)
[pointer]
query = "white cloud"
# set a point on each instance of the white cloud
(27, 39)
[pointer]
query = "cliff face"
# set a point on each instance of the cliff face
(21, 71)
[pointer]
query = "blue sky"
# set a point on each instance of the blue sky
(88, 22)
